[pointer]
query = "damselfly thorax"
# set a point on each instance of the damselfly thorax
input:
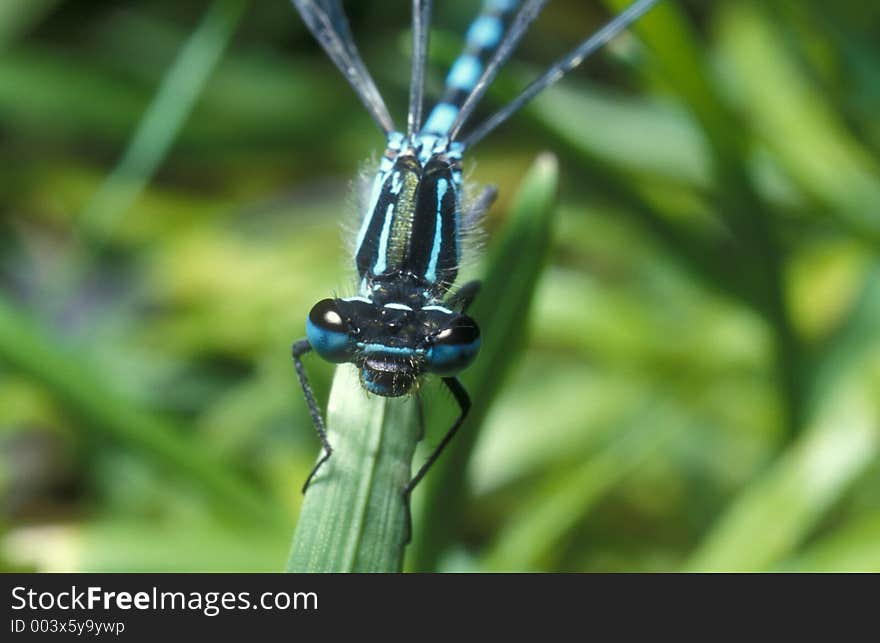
(412, 226)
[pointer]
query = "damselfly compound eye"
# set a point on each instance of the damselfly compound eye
(454, 347)
(328, 332)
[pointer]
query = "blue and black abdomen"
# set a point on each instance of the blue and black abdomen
(483, 38)
(412, 226)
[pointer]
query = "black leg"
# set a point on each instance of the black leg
(478, 207)
(464, 296)
(464, 404)
(299, 349)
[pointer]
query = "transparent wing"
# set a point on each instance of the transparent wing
(524, 17)
(564, 65)
(327, 22)
(421, 17)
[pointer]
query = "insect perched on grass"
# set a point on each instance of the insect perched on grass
(405, 322)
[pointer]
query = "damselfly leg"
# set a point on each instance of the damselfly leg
(302, 347)
(464, 296)
(299, 349)
(464, 404)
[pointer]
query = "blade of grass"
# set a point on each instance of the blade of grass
(249, 101)
(353, 517)
(844, 349)
(798, 122)
(852, 547)
(759, 270)
(673, 40)
(30, 350)
(17, 16)
(163, 119)
(777, 511)
(774, 514)
(515, 264)
(535, 533)
(124, 545)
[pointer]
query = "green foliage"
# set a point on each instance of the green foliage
(353, 518)
(681, 372)
(515, 264)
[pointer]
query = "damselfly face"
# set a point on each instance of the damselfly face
(392, 344)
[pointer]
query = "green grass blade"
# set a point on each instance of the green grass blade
(852, 547)
(102, 411)
(537, 531)
(793, 117)
(681, 58)
(846, 348)
(502, 309)
(353, 516)
(146, 545)
(17, 16)
(774, 514)
(164, 117)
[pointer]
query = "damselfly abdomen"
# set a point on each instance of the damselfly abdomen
(406, 321)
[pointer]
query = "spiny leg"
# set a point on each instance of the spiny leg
(478, 208)
(464, 296)
(299, 349)
(464, 404)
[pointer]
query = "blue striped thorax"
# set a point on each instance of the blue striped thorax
(407, 256)
(412, 224)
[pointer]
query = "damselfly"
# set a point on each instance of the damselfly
(405, 322)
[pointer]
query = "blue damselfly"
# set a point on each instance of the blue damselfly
(405, 322)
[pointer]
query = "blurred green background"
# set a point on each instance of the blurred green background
(699, 387)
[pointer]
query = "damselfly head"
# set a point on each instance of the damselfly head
(393, 344)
